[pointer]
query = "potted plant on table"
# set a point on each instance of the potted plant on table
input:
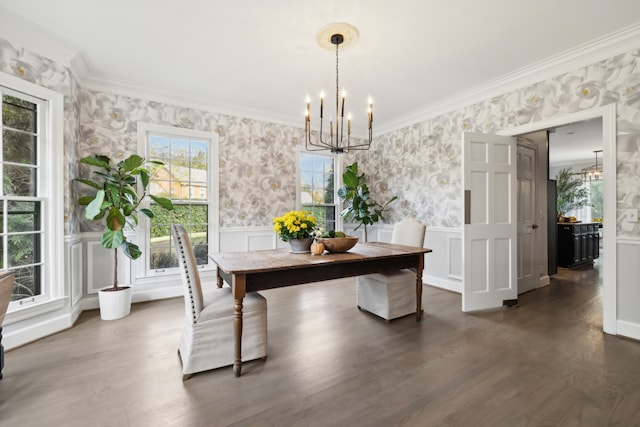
(296, 227)
(117, 201)
(359, 205)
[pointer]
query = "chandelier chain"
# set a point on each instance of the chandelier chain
(337, 79)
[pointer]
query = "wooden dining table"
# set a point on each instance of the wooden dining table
(268, 269)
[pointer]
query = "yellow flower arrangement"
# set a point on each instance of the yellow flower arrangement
(294, 225)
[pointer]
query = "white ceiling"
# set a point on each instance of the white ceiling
(262, 56)
(574, 144)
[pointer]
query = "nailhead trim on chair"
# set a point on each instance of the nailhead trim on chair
(184, 261)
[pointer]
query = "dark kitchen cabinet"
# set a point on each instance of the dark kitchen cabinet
(578, 244)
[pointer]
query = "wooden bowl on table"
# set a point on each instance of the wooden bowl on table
(338, 244)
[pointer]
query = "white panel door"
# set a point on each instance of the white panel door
(527, 254)
(490, 229)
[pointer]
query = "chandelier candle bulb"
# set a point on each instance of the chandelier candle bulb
(349, 124)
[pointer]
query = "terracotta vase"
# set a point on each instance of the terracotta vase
(300, 246)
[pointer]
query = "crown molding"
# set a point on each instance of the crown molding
(608, 46)
(80, 67)
(25, 34)
(182, 99)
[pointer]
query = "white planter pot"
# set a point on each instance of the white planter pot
(114, 305)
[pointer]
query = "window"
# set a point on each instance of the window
(593, 210)
(317, 188)
(30, 219)
(185, 178)
(595, 194)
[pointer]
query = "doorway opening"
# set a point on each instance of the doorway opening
(608, 265)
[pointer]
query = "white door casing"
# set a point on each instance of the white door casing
(490, 231)
(609, 277)
(527, 226)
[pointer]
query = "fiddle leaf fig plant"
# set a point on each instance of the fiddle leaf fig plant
(117, 201)
(359, 205)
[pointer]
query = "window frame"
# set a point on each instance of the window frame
(337, 182)
(50, 167)
(213, 177)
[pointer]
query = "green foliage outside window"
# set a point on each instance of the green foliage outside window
(19, 148)
(597, 210)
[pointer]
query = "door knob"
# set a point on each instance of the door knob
(534, 226)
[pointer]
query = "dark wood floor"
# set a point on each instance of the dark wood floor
(545, 363)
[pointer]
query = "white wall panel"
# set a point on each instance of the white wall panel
(443, 266)
(99, 267)
(75, 275)
(628, 267)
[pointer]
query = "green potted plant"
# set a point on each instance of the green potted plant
(359, 205)
(571, 193)
(117, 202)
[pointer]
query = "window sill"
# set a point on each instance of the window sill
(34, 310)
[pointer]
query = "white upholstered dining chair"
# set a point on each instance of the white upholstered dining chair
(207, 340)
(6, 287)
(392, 295)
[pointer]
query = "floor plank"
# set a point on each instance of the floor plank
(544, 363)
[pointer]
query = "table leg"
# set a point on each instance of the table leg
(419, 288)
(419, 299)
(237, 323)
(1, 354)
(239, 290)
(219, 280)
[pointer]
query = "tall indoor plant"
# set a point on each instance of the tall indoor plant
(117, 201)
(571, 193)
(359, 205)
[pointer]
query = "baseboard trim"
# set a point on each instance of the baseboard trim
(439, 282)
(544, 281)
(90, 302)
(36, 331)
(628, 329)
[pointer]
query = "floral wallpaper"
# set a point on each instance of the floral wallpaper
(257, 180)
(257, 170)
(420, 163)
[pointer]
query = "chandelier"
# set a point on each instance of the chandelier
(338, 140)
(592, 172)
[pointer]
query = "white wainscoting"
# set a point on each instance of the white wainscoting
(242, 239)
(99, 264)
(75, 271)
(89, 267)
(443, 266)
(628, 272)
